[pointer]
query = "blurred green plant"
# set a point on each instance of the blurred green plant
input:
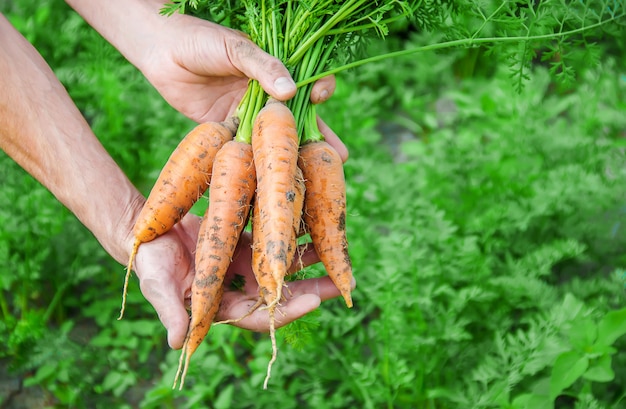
(486, 227)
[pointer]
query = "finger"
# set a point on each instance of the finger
(323, 89)
(170, 308)
(331, 137)
(190, 229)
(322, 287)
(261, 66)
(286, 312)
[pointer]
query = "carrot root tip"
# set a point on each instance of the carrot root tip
(129, 270)
(184, 374)
(180, 365)
(274, 350)
(348, 299)
(276, 301)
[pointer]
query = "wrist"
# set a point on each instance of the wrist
(117, 237)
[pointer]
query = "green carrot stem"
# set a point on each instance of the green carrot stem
(354, 27)
(4, 307)
(300, 19)
(249, 106)
(312, 62)
(288, 17)
(276, 51)
(346, 10)
(311, 131)
(56, 299)
(307, 112)
(264, 24)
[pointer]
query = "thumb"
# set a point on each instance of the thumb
(255, 63)
(170, 309)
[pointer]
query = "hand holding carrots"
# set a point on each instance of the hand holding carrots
(165, 270)
(203, 70)
(208, 73)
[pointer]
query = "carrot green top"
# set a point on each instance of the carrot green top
(315, 38)
(307, 35)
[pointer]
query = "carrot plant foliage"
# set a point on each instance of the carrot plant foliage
(486, 214)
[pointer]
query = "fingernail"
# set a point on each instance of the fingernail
(284, 85)
(324, 95)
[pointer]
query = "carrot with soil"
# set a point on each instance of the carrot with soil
(277, 208)
(184, 178)
(232, 187)
(231, 192)
(325, 211)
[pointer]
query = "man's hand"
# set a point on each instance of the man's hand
(165, 267)
(201, 68)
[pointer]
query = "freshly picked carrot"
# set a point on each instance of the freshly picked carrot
(278, 204)
(275, 149)
(231, 191)
(325, 210)
(232, 187)
(184, 178)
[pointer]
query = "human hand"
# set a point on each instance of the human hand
(165, 268)
(202, 69)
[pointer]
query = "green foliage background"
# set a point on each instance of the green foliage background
(487, 227)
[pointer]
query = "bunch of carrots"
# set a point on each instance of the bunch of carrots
(284, 188)
(268, 165)
(265, 176)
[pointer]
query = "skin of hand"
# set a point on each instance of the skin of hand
(43, 131)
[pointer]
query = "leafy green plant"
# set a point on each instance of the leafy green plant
(486, 227)
(560, 350)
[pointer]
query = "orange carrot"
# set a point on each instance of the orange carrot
(232, 187)
(298, 222)
(268, 287)
(183, 179)
(325, 211)
(276, 213)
